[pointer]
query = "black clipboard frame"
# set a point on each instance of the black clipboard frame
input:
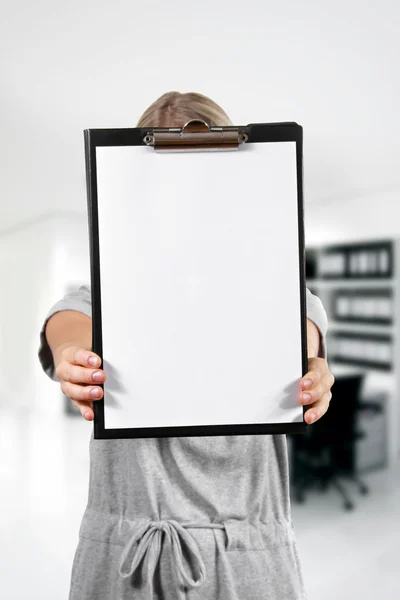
(256, 133)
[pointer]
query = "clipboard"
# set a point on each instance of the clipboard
(197, 263)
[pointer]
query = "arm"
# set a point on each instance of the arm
(313, 340)
(68, 328)
(65, 328)
(65, 350)
(317, 326)
(315, 386)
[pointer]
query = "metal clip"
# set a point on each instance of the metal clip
(195, 136)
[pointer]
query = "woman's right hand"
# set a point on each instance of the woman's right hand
(78, 371)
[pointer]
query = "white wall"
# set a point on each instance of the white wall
(370, 214)
(37, 262)
(331, 66)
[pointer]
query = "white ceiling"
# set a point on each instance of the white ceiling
(331, 66)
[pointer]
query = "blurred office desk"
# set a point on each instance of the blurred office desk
(338, 446)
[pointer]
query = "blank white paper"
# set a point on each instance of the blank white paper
(200, 290)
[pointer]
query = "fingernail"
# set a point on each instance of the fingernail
(97, 376)
(95, 392)
(306, 397)
(313, 416)
(86, 415)
(307, 383)
(93, 360)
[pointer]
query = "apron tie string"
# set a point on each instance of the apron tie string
(150, 535)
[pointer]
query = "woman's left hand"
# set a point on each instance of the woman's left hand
(315, 386)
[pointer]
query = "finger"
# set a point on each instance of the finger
(67, 371)
(318, 409)
(309, 380)
(85, 409)
(314, 394)
(312, 376)
(318, 370)
(78, 392)
(80, 356)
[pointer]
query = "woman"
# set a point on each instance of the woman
(209, 516)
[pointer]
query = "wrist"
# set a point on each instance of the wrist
(313, 339)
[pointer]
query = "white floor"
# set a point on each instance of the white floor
(44, 483)
(352, 555)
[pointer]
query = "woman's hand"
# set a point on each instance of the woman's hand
(78, 373)
(315, 386)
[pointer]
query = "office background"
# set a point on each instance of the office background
(333, 68)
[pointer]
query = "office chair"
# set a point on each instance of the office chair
(326, 452)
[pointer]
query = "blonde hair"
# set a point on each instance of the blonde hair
(174, 109)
